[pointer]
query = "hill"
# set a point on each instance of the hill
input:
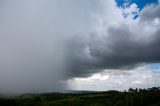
(132, 97)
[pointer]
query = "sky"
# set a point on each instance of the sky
(49, 46)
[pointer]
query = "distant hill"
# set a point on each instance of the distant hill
(132, 97)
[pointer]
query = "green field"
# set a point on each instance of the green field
(132, 97)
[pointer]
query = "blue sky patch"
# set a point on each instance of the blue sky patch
(140, 5)
(154, 66)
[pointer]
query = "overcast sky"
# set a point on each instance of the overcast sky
(78, 44)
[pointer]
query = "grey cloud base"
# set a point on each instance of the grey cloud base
(125, 46)
(33, 39)
(45, 42)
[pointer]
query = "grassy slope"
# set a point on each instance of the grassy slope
(143, 97)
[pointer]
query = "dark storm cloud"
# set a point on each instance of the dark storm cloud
(119, 47)
(33, 38)
(43, 42)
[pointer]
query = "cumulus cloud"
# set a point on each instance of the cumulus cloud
(118, 79)
(152, 14)
(118, 42)
(44, 42)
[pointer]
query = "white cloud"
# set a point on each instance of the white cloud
(117, 43)
(131, 11)
(140, 77)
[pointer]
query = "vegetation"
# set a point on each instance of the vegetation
(132, 97)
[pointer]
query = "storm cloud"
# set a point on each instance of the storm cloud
(44, 42)
(33, 39)
(124, 44)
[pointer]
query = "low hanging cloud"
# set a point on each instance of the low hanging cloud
(111, 79)
(33, 39)
(118, 42)
(44, 42)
